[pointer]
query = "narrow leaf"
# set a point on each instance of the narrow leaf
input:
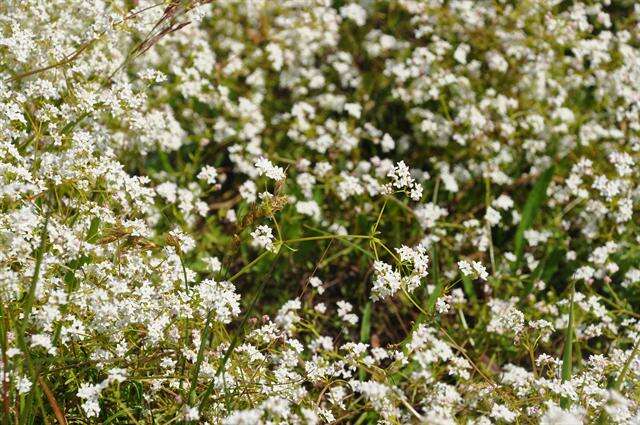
(531, 208)
(365, 329)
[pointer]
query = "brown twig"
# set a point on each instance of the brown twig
(64, 61)
(169, 14)
(77, 53)
(228, 203)
(57, 412)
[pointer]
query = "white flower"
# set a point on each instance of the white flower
(90, 394)
(344, 312)
(208, 174)
(465, 268)
(315, 282)
(275, 56)
(190, 413)
(480, 270)
(400, 176)
(355, 12)
(354, 109)
(387, 281)
(184, 241)
(213, 264)
(419, 260)
(168, 191)
(44, 341)
(349, 186)
(503, 202)
(505, 318)
(401, 179)
(266, 167)
(555, 415)
(428, 214)
(219, 298)
(248, 191)
(263, 238)
(584, 273)
(460, 55)
(497, 62)
(231, 216)
(501, 412)
(387, 143)
(309, 208)
(23, 385)
(474, 269)
(492, 216)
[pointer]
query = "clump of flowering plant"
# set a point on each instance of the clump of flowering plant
(313, 211)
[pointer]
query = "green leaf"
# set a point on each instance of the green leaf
(92, 234)
(531, 208)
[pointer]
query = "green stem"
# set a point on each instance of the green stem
(627, 364)
(324, 237)
(248, 266)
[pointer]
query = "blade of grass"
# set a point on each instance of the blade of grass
(234, 341)
(28, 302)
(531, 208)
(199, 358)
(618, 383)
(365, 331)
(21, 325)
(567, 352)
(603, 417)
(438, 283)
(4, 326)
(365, 328)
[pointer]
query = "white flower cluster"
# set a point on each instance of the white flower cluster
(401, 179)
(266, 167)
(91, 393)
(387, 280)
(263, 238)
(474, 269)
